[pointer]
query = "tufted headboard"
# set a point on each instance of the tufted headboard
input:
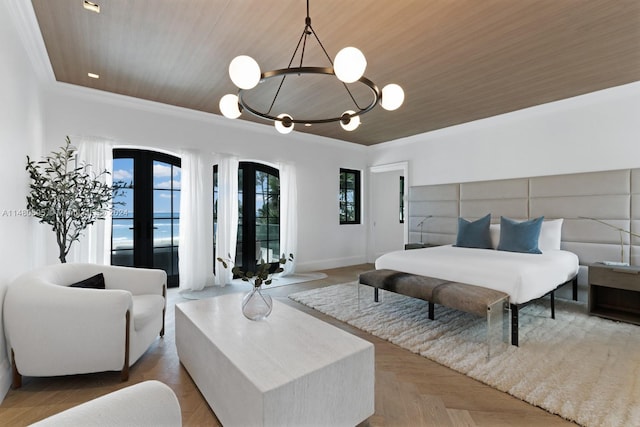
(610, 196)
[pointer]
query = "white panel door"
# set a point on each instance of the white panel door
(388, 231)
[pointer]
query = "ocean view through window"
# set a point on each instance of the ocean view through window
(146, 221)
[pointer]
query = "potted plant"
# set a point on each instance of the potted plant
(66, 196)
(255, 305)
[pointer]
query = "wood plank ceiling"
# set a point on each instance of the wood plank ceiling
(457, 60)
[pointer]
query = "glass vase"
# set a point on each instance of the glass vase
(255, 305)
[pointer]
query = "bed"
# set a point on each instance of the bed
(523, 276)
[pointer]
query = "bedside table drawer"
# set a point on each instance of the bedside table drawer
(614, 292)
(615, 277)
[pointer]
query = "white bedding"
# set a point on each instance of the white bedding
(523, 276)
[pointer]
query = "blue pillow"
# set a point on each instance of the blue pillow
(474, 234)
(520, 236)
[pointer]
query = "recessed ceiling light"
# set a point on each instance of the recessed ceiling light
(91, 6)
(93, 75)
(307, 125)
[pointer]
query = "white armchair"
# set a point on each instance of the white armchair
(53, 329)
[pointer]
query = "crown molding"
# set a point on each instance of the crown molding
(124, 101)
(23, 15)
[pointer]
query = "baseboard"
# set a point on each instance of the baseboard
(5, 378)
(327, 264)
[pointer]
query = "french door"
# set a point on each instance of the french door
(258, 214)
(146, 222)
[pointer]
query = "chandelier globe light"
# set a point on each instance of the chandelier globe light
(229, 106)
(349, 64)
(392, 97)
(244, 72)
(351, 121)
(348, 67)
(285, 124)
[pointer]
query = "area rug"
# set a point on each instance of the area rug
(583, 368)
(212, 291)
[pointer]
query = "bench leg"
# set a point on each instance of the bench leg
(431, 311)
(553, 304)
(574, 285)
(375, 295)
(514, 324)
(506, 325)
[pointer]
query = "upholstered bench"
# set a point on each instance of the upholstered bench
(472, 299)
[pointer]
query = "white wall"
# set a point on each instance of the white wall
(20, 133)
(593, 132)
(322, 241)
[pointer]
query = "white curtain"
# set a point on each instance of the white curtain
(288, 215)
(195, 252)
(227, 230)
(94, 245)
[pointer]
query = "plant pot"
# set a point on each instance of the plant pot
(255, 305)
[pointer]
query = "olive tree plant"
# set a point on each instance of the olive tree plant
(66, 195)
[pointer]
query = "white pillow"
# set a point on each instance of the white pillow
(494, 231)
(550, 235)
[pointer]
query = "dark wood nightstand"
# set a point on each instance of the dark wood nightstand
(614, 292)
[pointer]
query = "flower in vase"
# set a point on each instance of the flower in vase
(262, 275)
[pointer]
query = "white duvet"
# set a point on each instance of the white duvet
(523, 276)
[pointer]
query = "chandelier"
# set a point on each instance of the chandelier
(348, 67)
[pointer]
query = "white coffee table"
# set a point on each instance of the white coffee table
(290, 369)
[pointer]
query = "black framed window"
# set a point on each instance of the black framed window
(349, 197)
(402, 200)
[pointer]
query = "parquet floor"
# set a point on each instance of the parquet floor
(410, 390)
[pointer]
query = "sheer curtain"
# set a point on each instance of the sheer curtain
(94, 245)
(288, 215)
(195, 253)
(227, 232)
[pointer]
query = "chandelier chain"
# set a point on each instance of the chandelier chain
(302, 36)
(308, 29)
